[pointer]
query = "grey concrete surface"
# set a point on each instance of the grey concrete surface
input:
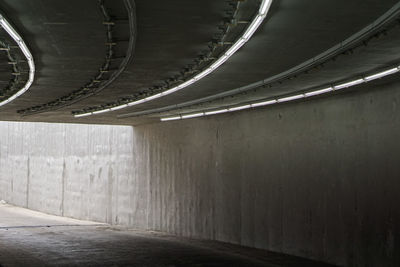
(33, 239)
(317, 179)
(67, 43)
(64, 169)
(67, 40)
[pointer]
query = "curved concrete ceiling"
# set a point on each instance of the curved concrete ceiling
(70, 42)
(20, 63)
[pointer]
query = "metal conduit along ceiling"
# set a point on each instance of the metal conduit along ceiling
(77, 46)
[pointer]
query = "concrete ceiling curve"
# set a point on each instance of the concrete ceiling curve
(69, 43)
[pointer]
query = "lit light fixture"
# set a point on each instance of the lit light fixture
(193, 115)
(290, 98)
(232, 50)
(239, 108)
(31, 68)
(25, 50)
(258, 19)
(253, 27)
(264, 7)
(21, 44)
(9, 29)
(348, 84)
(382, 74)
(83, 115)
(101, 111)
(219, 62)
(135, 103)
(185, 84)
(170, 91)
(263, 103)
(153, 97)
(203, 74)
(216, 111)
(294, 97)
(171, 118)
(118, 107)
(318, 92)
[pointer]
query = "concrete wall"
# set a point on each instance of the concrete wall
(318, 179)
(64, 169)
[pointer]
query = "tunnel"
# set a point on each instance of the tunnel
(200, 133)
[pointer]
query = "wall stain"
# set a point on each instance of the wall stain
(64, 174)
(28, 174)
(109, 212)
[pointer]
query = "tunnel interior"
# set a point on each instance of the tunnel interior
(199, 133)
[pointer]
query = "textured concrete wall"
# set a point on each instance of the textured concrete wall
(65, 169)
(319, 179)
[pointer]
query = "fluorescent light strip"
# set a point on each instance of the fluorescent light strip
(382, 74)
(348, 84)
(216, 111)
(289, 98)
(153, 97)
(135, 103)
(318, 92)
(169, 91)
(31, 68)
(203, 74)
(232, 50)
(219, 62)
(83, 115)
(119, 107)
(185, 84)
(294, 97)
(193, 115)
(25, 50)
(171, 118)
(264, 7)
(264, 103)
(262, 13)
(239, 108)
(17, 38)
(101, 111)
(253, 26)
(10, 30)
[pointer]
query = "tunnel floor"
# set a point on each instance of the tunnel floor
(29, 238)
